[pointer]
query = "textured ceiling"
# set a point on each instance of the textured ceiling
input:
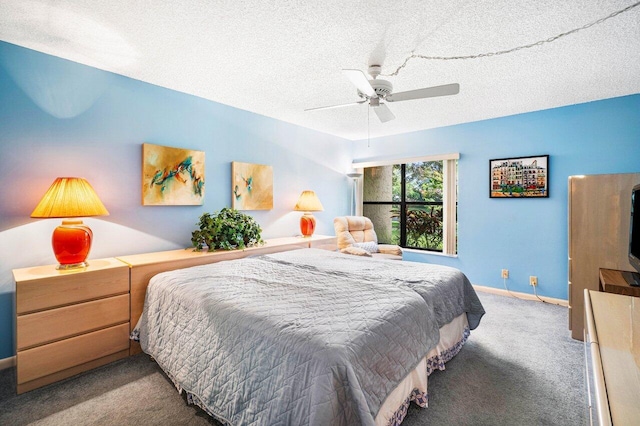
(278, 58)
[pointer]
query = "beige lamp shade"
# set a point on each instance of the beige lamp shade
(70, 197)
(308, 202)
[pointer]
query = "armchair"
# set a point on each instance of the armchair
(356, 235)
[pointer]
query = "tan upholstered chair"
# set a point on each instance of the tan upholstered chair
(357, 236)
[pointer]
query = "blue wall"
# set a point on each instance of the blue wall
(526, 236)
(59, 118)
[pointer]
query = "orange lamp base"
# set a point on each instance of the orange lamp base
(71, 244)
(307, 224)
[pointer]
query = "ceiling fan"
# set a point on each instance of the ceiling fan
(378, 91)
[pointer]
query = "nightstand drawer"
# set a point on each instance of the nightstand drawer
(56, 324)
(35, 293)
(48, 359)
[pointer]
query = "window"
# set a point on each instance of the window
(413, 203)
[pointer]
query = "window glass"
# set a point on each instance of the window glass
(405, 204)
(386, 221)
(423, 181)
(382, 184)
(424, 226)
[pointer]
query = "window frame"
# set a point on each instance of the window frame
(449, 200)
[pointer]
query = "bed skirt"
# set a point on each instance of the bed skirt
(414, 386)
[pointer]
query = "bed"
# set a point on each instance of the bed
(306, 337)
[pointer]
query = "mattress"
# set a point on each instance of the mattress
(302, 337)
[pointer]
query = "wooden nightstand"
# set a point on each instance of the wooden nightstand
(611, 281)
(70, 321)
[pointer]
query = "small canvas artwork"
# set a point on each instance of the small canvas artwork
(172, 176)
(251, 186)
(522, 177)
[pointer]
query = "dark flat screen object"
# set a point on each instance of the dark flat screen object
(632, 278)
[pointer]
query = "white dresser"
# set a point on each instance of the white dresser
(612, 349)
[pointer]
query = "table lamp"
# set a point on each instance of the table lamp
(70, 197)
(307, 203)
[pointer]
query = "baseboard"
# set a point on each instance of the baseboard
(7, 362)
(525, 296)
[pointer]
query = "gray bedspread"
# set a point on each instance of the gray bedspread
(307, 337)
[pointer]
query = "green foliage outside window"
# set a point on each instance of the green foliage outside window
(424, 227)
(423, 183)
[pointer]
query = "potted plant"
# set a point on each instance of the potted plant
(227, 229)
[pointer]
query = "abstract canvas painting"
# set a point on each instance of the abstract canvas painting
(251, 186)
(172, 176)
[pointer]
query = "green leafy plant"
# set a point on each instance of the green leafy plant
(227, 229)
(424, 227)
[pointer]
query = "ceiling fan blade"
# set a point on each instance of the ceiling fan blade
(429, 92)
(384, 113)
(336, 106)
(360, 80)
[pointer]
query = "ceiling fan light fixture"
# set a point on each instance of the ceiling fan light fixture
(381, 87)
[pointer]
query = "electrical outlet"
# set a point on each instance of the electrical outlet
(505, 273)
(533, 280)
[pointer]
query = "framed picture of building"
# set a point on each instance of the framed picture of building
(520, 177)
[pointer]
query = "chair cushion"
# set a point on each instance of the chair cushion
(355, 251)
(353, 229)
(370, 246)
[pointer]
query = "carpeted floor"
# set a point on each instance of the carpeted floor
(519, 367)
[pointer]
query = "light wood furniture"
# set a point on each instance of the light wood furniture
(599, 217)
(145, 266)
(70, 321)
(75, 320)
(612, 281)
(612, 339)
